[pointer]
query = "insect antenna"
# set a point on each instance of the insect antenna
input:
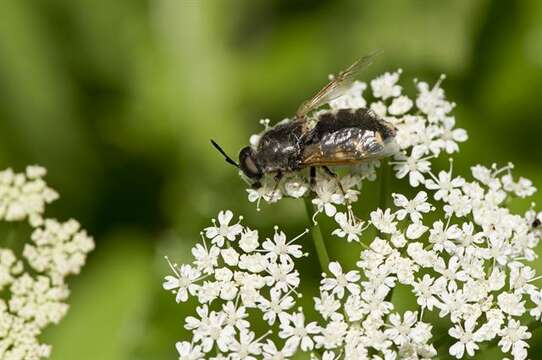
(228, 159)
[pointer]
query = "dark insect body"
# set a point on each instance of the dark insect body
(281, 147)
(347, 137)
(344, 137)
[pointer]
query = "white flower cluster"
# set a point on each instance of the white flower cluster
(24, 195)
(469, 266)
(32, 288)
(239, 279)
(452, 244)
(469, 263)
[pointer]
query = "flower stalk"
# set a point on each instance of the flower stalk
(317, 238)
(384, 185)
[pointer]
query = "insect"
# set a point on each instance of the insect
(344, 137)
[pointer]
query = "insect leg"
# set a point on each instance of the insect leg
(334, 176)
(312, 177)
(278, 177)
(256, 185)
(346, 201)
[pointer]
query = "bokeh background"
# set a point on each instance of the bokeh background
(118, 99)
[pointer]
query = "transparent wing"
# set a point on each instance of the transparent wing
(337, 86)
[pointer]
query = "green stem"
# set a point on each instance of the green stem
(317, 237)
(384, 185)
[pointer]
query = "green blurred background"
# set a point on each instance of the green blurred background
(118, 99)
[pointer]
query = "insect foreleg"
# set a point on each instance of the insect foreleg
(312, 177)
(336, 177)
(340, 185)
(277, 178)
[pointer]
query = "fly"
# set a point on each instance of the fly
(344, 137)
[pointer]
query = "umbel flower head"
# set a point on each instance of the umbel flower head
(469, 265)
(238, 277)
(450, 243)
(32, 284)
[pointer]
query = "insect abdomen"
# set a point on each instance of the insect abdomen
(362, 119)
(347, 136)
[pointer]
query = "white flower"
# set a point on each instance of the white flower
(467, 339)
(35, 171)
(366, 169)
(245, 347)
(332, 335)
(254, 263)
(400, 331)
(452, 136)
(351, 99)
(188, 352)
(276, 306)
(341, 281)
(424, 292)
(511, 303)
(215, 331)
(182, 282)
(431, 101)
(414, 166)
(415, 230)
(268, 191)
(441, 238)
(206, 259)
(383, 221)
(249, 240)
(349, 183)
(326, 304)
(271, 352)
(513, 336)
(217, 234)
(282, 276)
(279, 248)
(520, 276)
(386, 86)
(293, 328)
(209, 291)
(236, 316)
(400, 105)
(350, 229)
(523, 188)
(458, 204)
(38, 300)
(295, 187)
(230, 256)
(379, 108)
(58, 248)
(414, 208)
(427, 139)
(536, 298)
(327, 196)
(24, 195)
(444, 184)
(193, 323)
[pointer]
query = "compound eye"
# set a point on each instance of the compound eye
(250, 165)
(247, 163)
